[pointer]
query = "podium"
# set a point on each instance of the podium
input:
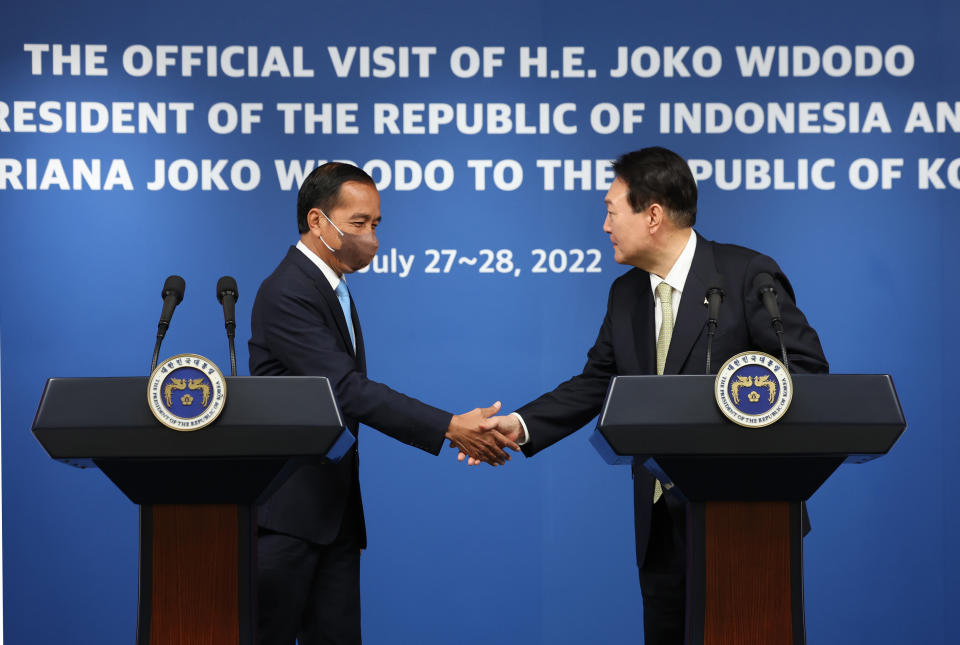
(196, 490)
(745, 486)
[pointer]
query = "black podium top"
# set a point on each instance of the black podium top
(857, 416)
(81, 420)
(267, 421)
(673, 426)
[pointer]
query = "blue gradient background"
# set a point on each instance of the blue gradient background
(540, 551)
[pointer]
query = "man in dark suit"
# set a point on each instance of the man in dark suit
(311, 530)
(655, 324)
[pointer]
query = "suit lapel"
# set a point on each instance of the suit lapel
(692, 316)
(641, 323)
(361, 354)
(328, 295)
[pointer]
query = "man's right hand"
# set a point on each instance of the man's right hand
(508, 426)
(475, 434)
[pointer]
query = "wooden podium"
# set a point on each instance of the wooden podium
(196, 490)
(745, 486)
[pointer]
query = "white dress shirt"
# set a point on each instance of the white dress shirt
(676, 278)
(328, 273)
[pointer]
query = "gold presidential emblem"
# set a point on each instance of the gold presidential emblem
(753, 389)
(186, 392)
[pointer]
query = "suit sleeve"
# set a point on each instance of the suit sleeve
(799, 338)
(302, 340)
(573, 403)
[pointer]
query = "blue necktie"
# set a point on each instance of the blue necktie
(344, 297)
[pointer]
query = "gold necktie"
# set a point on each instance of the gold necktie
(665, 296)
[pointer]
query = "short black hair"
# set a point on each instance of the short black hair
(321, 189)
(659, 175)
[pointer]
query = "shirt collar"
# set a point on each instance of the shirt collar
(677, 277)
(328, 273)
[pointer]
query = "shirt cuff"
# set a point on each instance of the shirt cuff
(526, 433)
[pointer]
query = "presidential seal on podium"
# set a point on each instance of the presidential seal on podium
(186, 392)
(753, 389)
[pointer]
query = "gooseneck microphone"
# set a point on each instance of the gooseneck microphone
(227, 294)
(714, 298)
(172, 294)
(768, 294)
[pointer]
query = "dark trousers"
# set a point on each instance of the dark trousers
(309, 592)
(663, 575)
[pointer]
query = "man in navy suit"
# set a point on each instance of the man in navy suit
(651, 209)
(311, 530)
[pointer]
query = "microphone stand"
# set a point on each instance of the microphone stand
(714, 298)
(231, 328)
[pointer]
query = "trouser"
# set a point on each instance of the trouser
(663, 575)
(307, 591)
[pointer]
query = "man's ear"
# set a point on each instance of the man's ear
(314, 219)
(655, 215)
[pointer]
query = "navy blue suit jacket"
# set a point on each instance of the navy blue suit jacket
(626, 345)
(298, 329)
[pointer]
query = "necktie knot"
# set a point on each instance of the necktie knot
(664, 293)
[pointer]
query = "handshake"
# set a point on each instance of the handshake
(480, 436)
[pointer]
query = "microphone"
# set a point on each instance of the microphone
(172, 294)
(768, 293)
(764, 284)
(714, 298)
(227, 294)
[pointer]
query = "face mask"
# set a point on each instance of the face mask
(356, 251)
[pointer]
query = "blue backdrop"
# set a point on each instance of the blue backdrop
(540, 551)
